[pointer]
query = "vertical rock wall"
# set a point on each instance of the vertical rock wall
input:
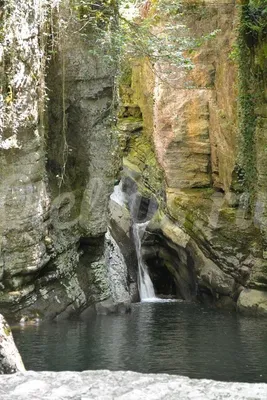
(208, 139)
(56, 184)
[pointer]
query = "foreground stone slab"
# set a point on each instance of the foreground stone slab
(106, 385)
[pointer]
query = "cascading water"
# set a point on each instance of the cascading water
(146, 289)
(132, 202)
(118, 196)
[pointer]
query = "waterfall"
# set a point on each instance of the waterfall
(146, 289)
(118, 196)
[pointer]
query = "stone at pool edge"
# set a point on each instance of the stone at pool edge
(10, 359)
(109, 307)
(252, 302)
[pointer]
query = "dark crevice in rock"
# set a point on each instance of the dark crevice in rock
(171, 268)
(162, 279)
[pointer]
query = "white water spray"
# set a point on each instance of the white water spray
(146, 289)
(118, 196)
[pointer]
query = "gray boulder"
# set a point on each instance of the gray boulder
(10, 360)
(253, 302)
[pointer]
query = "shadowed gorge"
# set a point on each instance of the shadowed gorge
(183, 142)
(133, 188)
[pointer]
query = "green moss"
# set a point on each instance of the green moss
(131, 166)
(247, 118)
(157, 218)
(141, 159)
(204, 193)
(130, 119)
(254, 20)
(228, 214)
(125, 77)
(7, 330)
(189, 223)
(261, 55)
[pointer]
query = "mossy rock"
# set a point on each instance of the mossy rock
(7, 330)
(142, 161)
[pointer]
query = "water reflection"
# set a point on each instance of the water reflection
(176, 338)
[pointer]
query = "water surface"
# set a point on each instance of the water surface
(175, 338)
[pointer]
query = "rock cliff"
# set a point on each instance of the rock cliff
(200, 152)
(58, 172)
(193, 141)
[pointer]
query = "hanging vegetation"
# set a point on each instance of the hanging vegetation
(124, 29)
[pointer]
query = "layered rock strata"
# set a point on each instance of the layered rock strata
(56, 182)
(203, 134)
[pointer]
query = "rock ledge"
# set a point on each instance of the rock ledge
(107, 385)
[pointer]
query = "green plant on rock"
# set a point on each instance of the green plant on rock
(24, 55)
(138, 29)
(156, 33)
(251, 39)
(255, 19)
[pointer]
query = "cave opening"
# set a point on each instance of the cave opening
(170, 267)
(162, 279)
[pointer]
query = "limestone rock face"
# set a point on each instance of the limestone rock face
(122, 385)
(182, 136)
(120, 226)
(56, 185)
(194, 110)
(206, 128)
(10, 360)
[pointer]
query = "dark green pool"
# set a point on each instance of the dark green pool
(176, 338)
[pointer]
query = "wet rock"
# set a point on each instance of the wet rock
(117, 272)
(226, 303)
(10, 360)
(130, 125)
(109, 307)
(252, 301)
(105, 307)
(120, 227)
(111, 288)
(214, 278)
(174, 232)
